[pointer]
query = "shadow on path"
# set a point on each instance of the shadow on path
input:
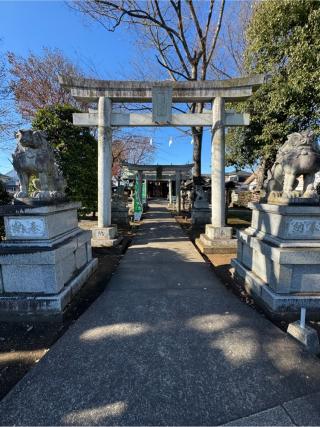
(165, 344)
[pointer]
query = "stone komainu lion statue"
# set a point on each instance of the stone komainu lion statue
(201, 200)
(34, 157)
(299, 155)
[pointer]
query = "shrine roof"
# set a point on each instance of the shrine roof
(155, 168)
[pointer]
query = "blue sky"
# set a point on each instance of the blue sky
(31, 25)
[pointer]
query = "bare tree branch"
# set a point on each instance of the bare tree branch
(182, 35)
(218, 27)
(131, 148)
(35, 81)
(176, 47)
(206, 31)
(8, 120)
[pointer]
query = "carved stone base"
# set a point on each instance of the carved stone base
(285, 306)
(294, 198)
(120, 215)
(218, 233)
(217, 240)
(21, 306)
(279, 257)
(200, 216)
(44, 254)
(43, 269)
(105, 236)
(43, 225)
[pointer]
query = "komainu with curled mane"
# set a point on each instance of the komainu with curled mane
(299, 155)
(34, 157)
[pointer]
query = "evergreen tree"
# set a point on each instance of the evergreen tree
(5, 199)
(282, 40)
(76, 151)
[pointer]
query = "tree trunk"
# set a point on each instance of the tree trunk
(197, 134)
(261, 174)
(197, 144)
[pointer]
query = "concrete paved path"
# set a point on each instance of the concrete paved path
(167, 344)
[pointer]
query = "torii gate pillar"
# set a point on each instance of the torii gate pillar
(178, 192)
(218, 237)
(170, 193)
(104, 234)
(140, 180)
(217, 164)
(104, 161)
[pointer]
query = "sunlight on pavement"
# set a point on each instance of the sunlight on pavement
(213, 322)
(96, 414)
(21, 356)
(117, 330)
(231, 344)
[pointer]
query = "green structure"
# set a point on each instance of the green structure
(138, 200)
(145, 174)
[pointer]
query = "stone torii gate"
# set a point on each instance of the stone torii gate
(170, 173)
(162, 94)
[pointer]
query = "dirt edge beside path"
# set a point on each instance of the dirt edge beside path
(23, 344)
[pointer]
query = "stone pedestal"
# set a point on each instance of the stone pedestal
(105, 236)
(120, 215)
(279, 258)
(44, 260)
(217, 240)
(200, 213)
(200, 216)
(172, 204)
(119, 209)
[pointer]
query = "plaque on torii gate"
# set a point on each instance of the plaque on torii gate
(162, 104)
